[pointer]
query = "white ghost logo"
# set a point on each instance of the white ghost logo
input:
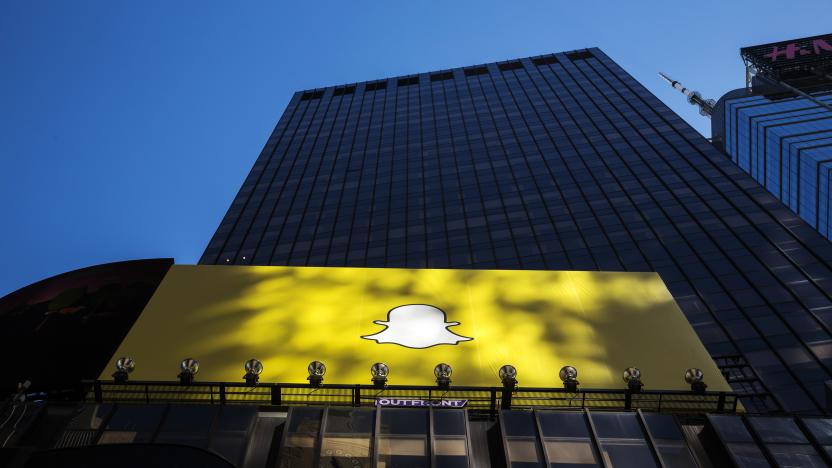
(416, 326)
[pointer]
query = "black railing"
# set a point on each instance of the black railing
(488, 399)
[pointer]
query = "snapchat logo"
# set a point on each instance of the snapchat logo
(416, 326)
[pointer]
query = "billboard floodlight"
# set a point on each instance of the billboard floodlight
(124, 366)
(696, 378)
(189, 367)
(253, 370)
(380, 371)
(508, 375)
(632, 377)
(443, 373)
(316, 370)
(569, 376)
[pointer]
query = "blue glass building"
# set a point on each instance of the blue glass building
(785, 143)
(561, 162)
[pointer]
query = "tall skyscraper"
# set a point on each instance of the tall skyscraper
(561, 162)
(779, 128)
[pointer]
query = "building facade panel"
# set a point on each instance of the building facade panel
(166, 433)
(554, 162)
(785, 143)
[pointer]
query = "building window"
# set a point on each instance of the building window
(507, 66)
(343, 90)
(408, 81)
(548, 60)
(376, 85)
(582, 55)
(474, 71)
(311, 95)
(442, 76)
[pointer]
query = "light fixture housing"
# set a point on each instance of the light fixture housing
(443, 373)
(316, 370)
(508, 375)
(569, 376)
(124, 366)
(253, 370)
(632, 377)
(380, 371)
(188, 367)
(696, 379)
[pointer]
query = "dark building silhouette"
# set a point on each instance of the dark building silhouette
(561, 162)
(63, 329)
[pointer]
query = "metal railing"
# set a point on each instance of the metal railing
(488, 399)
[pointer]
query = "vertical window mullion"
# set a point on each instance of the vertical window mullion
(758, 439)
(596, 444)
(319, 442)
(376, 429)
(650, 441)
(431, 452)
(540, 442)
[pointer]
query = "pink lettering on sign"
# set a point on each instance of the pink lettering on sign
(790, 51)
(819, 44)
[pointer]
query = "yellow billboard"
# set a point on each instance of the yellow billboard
(413, 319)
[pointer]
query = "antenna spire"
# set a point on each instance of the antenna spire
(706, 106)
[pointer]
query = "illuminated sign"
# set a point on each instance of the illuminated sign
(790, 56)
(793, 49)
(413, 319)
(420, 403)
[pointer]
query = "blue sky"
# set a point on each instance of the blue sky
(126, 128)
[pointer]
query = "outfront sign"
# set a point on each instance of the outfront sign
(474, 320)
(400, 402)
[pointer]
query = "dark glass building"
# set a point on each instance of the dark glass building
(561, 162)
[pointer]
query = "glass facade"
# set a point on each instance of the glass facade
(786, 145)
(561, 162)
(224, 430)
(368, 437)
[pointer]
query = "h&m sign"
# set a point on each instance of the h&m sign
(792, 50)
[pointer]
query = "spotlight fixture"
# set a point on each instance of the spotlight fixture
(508, 375)
(380, 371)
(124, 366)
(443, 373)
(189, 367)
(632, 376)
(253, 370)
(569, 376)
(316, 369)
(696, 378)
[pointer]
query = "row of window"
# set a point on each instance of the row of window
(446, 75)
(396, 438)
(440, 437)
